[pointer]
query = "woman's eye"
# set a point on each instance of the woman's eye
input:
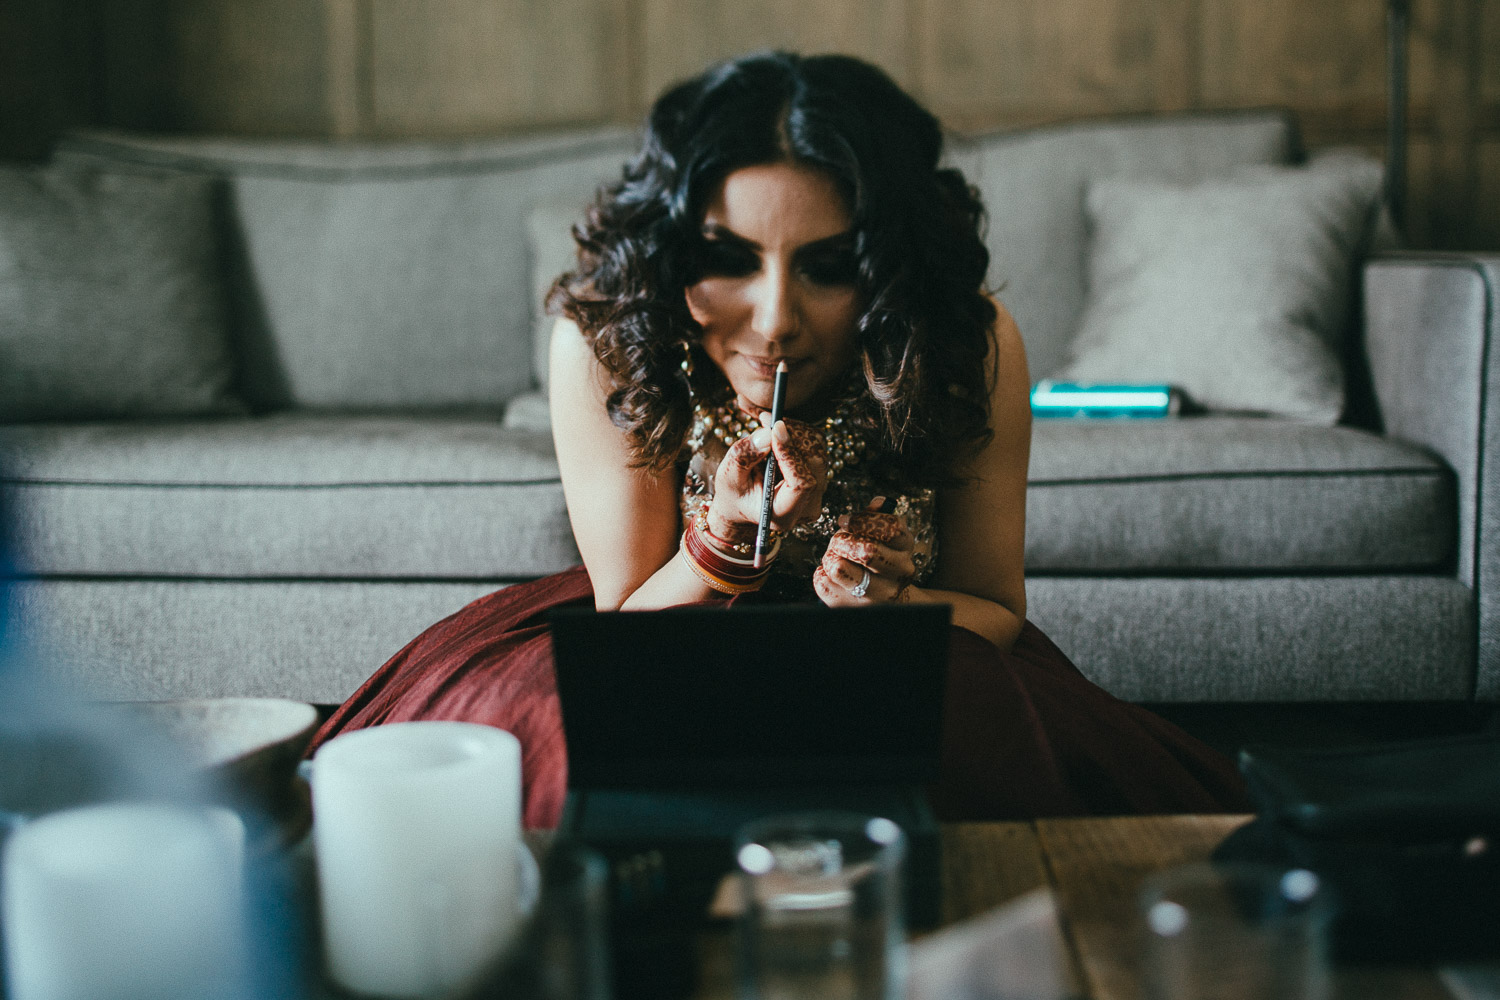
(725, 260)
(831, 269)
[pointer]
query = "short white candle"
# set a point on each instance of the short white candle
(417, 827)
(129, 901)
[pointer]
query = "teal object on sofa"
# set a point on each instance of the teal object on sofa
(1070, 399)
(393, 462)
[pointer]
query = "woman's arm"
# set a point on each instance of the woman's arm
(981, 524)
(625, 519)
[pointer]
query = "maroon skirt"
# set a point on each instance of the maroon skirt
(1025, 734)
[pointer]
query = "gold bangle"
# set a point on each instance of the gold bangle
(713, 582)
(742, 548)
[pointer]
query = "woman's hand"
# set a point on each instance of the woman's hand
(870, 554)
(802, 457)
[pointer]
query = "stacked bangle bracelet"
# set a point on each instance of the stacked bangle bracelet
(722, 571)
(700, 520)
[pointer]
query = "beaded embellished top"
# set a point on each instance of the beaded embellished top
(851, 487)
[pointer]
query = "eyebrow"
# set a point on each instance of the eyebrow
(719, 231)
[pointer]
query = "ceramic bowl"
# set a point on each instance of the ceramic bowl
(248, 748)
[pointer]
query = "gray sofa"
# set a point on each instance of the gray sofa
(378, 454)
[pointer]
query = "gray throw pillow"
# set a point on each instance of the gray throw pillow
(1236, 290)
(111, 299)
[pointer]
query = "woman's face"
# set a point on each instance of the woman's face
(779, 284)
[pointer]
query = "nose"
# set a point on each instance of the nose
(775, 312)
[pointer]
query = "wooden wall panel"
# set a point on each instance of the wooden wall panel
(1327, 58)
(1486, 232)
(1454, 121)
(137, 64)
(1449, 216)
(47, 78)
(418, 68)
(1489, 47)
(984, 63)
(251, 66)
(1421, 197)
(347, 89)
(681, 37)
(472, 66)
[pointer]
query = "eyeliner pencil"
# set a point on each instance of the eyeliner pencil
(764, 530)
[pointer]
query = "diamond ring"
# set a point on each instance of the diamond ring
(862, 587)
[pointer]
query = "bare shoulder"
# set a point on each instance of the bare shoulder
(579, 384)
(982, 521)
(571, 361)
(604, 488)
(1010, 396)
(1010, 352)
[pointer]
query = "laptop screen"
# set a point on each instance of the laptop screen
(759, 695)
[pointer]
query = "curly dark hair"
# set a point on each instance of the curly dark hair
(926, 326)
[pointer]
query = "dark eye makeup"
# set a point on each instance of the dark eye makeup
(826, 262)
(726, 258)
(829, 263)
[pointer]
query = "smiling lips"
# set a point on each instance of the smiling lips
(767, 367)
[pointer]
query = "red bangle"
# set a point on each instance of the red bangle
(720, 570)
(726, 561)
(735, 576)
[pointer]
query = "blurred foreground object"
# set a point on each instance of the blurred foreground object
(418, 841)
(248, 750)
(822, 908)
(131, 901)
(1235, 932)
(118, 878)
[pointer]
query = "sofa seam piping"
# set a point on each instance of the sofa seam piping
(1309, 474)
(1480, 465)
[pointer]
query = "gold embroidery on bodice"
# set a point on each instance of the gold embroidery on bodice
(851, 487)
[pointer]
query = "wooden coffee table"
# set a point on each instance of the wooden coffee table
(1095, 867)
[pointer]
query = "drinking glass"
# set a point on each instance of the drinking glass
(822, 915)
(1235, 932)
(570, 932)
(562, 953)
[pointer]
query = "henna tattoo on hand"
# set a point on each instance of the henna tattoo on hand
(887, 529)
(828, 591)
(802, 455)
(883, 560)
(802, 459)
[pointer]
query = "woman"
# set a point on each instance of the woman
(788, 210)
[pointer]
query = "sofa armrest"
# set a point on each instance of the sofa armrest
(1430, 322)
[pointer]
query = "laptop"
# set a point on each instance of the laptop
(684, 724)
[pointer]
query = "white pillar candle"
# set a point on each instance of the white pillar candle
(132, 901)
(417, 827)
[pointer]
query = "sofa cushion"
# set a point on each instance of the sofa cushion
(1233, 494)
(383, 278)
(1346, 637)
(1033, 183)
(286, 496)
(1234, 289)
(112, 296)
(381, 498)
(148, 640)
